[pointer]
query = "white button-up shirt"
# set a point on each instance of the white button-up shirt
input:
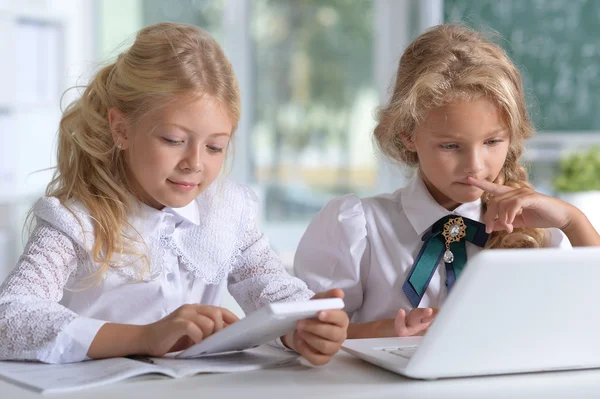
(51, 308)
(368, 246)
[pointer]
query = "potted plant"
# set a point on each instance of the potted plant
(578, 182)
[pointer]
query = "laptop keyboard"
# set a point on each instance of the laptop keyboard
(403, 351)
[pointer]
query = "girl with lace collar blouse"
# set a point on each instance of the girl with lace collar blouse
(458, 116)
(138, 236)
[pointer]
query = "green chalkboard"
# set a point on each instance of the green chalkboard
(556, 45)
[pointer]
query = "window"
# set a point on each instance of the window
(205, 14)
(313, 100)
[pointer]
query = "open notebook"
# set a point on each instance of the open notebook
(74, 376)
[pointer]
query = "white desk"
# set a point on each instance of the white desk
(344, 377)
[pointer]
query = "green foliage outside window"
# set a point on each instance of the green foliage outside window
(579, 171)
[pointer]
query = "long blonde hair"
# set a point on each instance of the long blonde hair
(448, 63)
(166, 61)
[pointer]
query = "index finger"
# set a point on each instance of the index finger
(417, 315)
(217, 314)
(228, 316)
(488, 186)
(337, 317)
(332, 293)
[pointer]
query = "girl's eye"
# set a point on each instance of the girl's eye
(172, 142)
(449, 146)
(493, 142)
(214, 149)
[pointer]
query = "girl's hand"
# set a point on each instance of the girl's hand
(416, 322)
(522, 207)
(186, 326)
(321, 338)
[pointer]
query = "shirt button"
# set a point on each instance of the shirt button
(170, 277)
(170, 230)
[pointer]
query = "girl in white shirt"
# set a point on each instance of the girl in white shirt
(138, 237)
(458, 116)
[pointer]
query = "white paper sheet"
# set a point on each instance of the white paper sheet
(74, 376)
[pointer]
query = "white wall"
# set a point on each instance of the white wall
(33, 123)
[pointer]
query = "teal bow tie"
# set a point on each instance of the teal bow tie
(445, 239)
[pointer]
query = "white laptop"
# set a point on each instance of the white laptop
(511, 311)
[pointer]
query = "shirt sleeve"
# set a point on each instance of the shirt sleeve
(259, 277)
(333, 249)
(557, 239)
(33, 325)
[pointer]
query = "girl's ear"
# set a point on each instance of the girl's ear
(118, 128)
(408, 141)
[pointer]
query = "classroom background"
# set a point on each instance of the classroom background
(311, 73)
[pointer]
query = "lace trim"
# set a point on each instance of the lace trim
(209, 251)
(218, 274)
(30, 316)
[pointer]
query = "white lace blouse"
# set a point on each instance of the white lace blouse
(50, 308)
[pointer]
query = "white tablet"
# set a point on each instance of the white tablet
(264, 325)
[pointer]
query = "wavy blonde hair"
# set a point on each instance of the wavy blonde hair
(167, 61)
(449, 63)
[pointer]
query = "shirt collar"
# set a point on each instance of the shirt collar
(422, 210)
(150, 216)
(190, 212)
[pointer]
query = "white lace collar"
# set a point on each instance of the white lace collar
(208, 248)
